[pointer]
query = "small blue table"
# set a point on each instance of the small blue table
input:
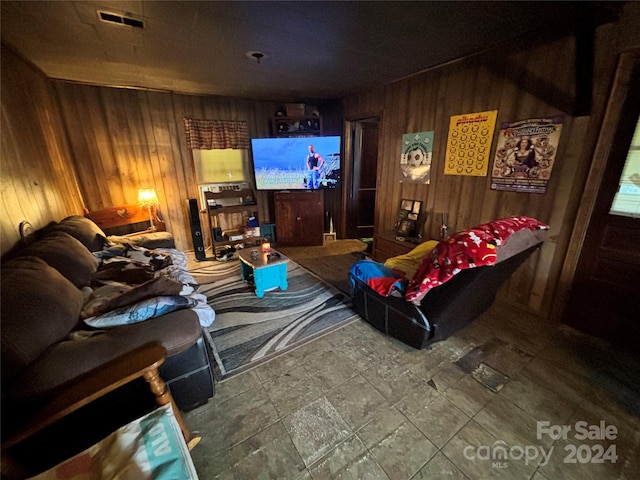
(269, 270)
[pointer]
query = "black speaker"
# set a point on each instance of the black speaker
(196, 229)
(217, 234)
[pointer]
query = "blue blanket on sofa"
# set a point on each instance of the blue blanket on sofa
(381, 279)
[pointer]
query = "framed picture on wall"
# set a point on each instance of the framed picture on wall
(408, 221)
(406, 228)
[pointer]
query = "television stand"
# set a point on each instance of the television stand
(299, 218)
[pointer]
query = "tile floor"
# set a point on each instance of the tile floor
(356, 404)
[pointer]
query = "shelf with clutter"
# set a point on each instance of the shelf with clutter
(297, 119)
(233, 221)
(297, 126)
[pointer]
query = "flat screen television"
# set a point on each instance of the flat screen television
(296, 163)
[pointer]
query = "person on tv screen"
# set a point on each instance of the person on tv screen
(314, 164)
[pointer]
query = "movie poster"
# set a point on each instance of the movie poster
(525, 154)
(415, 161)
(469, 143)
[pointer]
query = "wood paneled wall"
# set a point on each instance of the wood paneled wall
(123, 140)
(69, 146)
(37, 181)
(522, 81)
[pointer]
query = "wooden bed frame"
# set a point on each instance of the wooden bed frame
(123, 219)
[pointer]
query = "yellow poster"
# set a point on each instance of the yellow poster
(469, 143)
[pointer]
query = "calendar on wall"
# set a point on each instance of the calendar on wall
(469, 143)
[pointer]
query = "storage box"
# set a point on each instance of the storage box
(294, 109)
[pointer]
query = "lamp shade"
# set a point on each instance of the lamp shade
(147, 197)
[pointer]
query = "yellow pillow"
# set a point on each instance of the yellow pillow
(409, 262)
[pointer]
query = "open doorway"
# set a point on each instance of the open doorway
(362, 164)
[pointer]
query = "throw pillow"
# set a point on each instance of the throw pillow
(409, 262)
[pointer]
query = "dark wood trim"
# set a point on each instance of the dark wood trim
(598, 170)
(348, 152)
(579, 102)
(584, 61)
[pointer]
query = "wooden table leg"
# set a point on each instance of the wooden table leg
(163, 396)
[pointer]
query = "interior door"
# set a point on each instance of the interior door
(605, 295)
(364, 164)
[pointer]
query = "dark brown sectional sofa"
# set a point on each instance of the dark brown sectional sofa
(45, 344)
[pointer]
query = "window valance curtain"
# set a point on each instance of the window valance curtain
(216, 134)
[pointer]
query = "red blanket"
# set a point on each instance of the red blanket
(467, 249)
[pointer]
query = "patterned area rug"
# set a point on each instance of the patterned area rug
(248, 330)
(330, 262)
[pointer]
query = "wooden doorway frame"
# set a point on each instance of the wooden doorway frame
(611, 120)
(350, 151)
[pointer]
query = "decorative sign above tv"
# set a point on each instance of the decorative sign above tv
(297, 163)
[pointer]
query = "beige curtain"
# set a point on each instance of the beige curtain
(216, 134)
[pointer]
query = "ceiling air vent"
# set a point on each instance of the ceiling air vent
(120, 19)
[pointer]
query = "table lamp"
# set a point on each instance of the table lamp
(147, 198)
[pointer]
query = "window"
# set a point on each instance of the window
(219, 166)
(627, 199)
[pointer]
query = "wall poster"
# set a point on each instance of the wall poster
(469, 143)
(525, 154)
(415, 161)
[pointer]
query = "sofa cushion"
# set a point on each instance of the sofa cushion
(86, 350)
(39, 307)
(82, 229)
(67, 255)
